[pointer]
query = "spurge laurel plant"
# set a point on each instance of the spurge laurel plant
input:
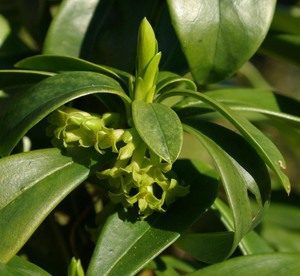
(129, 144)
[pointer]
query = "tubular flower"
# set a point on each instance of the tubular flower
(73, 127)
(141, 180)
(137, 177)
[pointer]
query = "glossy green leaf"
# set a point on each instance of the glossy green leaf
(246, 160)
(126, 244)
(68, 29)
(20, 266)
(21, 77)
(58, 63)
(236, 181)
(280, 264)
(264, 147)
(250, 102)
(257, 98)
(159, 127)
(218, 37)
(169, 80)
(32, 184)
(45, 97)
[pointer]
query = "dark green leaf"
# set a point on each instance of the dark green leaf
(46, 96)
(55, 63)
(32, 184)
(68, 29)
(111, 38)
(264, 147)
(207, 247)
(279, 264)
(168, 80)
(20, 266)
(246, 160)
(249, 102)
(126, 245)
(159, 127)
(219, 37)
(257, 98)
(236, 181)
(21, 77)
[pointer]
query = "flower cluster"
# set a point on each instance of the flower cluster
(137, 175)
(136, 178)
(73, 127)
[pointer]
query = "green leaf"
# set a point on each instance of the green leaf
(172, 263)
(281, 227)
(111, 38)
(159, 127)
(264, 147)
(126, 244)
(280, 264)
(20, 266)
(21, 77)
(248, 102)
(68, 28)
(257, 98)
(218, 37)
(32, 184)
(46, 96)
(168, 80)
(284, 215)
(207, 247)
(57, 63)
(253, 243)
(237, 177)
(245, 158)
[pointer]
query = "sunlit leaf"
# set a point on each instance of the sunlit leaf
(218, 37)
(20, 266)
(261, 264)
(32, 184)
(159, 127)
